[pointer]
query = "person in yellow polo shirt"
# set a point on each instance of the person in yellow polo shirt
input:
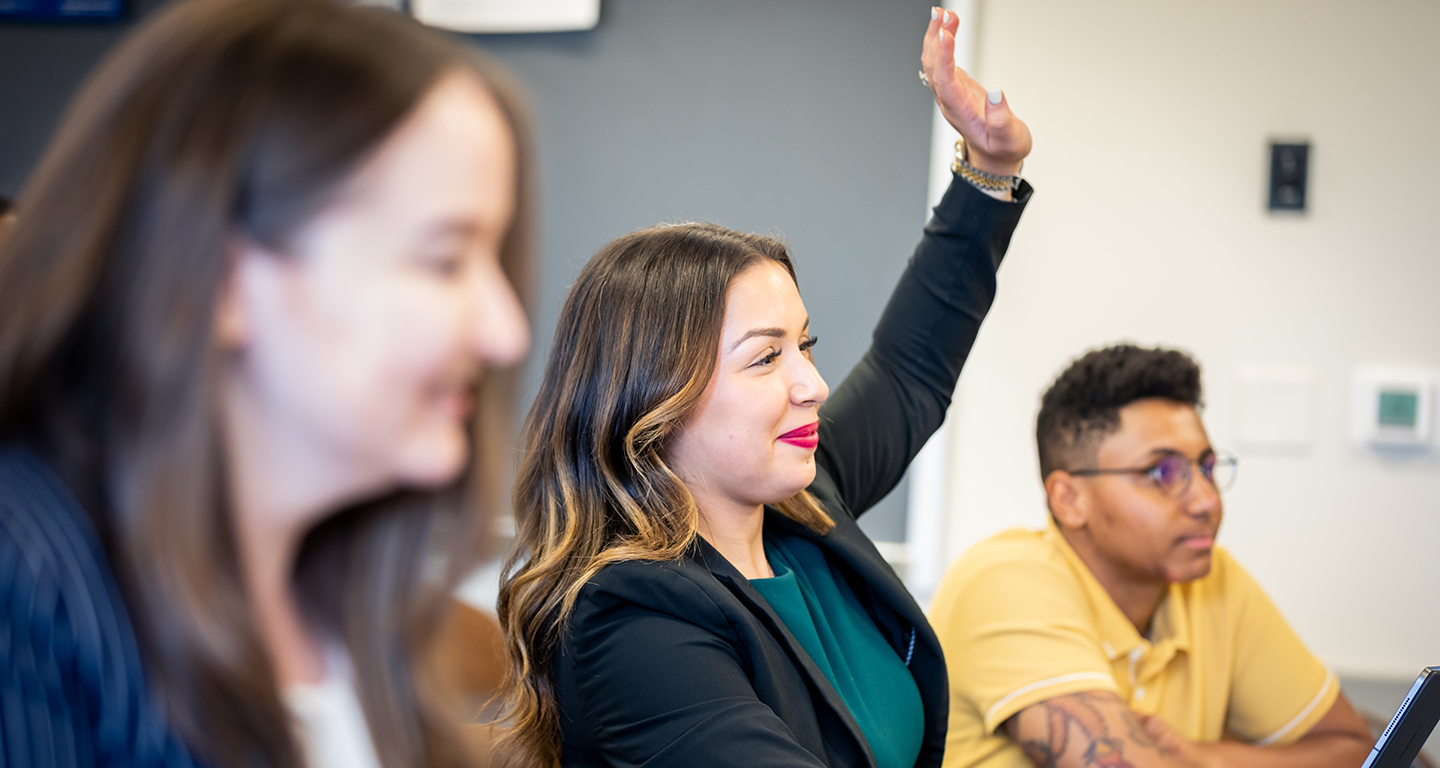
(1120, 635)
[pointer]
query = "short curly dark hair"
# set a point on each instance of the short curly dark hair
(1083, 405)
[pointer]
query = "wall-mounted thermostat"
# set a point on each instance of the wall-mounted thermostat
(1394, 407)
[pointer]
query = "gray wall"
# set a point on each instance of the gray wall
(801, 118)
(40, 67)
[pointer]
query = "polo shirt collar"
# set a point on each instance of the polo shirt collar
(1169, 630)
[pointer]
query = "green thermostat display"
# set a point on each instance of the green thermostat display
(1399, 408)
(1394, 408)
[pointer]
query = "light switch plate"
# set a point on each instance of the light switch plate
(1276, 406)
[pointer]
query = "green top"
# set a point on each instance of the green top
(817, 605)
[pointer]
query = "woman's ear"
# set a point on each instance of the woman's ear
(232, 321)
(1066, 499)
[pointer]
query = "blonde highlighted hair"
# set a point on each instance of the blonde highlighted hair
(634, 351)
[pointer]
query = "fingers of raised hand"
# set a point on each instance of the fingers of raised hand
(945, 46)
(997, 109)
(928, 47)
(950, 20)
(937, 54)
(1006, 136)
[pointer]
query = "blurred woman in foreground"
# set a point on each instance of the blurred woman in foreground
(244, 319)
(692, 588)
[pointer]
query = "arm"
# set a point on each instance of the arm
(896, 397)
(1340, 740)
(1096, 728)
(653, 689)
(880, 416)
(1281, 694)
(1091, 728)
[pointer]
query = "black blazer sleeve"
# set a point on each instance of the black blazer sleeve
(877, 420)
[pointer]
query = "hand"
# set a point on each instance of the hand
(997, 139)
(1173, 745)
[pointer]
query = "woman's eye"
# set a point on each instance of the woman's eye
(807, 344)
(768, 359)
(446, 267)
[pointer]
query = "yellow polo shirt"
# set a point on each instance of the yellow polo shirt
(1022, 620)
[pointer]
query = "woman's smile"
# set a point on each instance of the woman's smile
(806, 437)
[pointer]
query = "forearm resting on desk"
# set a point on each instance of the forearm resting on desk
(1334, 750)
(1096, 728)
(1340, 740)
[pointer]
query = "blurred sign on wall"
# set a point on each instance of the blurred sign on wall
(1289, 170)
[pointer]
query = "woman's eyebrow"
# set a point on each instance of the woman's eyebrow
(447, 228)
(774, 333)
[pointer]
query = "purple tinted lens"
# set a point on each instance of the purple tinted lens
(1172, 473)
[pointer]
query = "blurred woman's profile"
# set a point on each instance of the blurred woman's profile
(249, 323)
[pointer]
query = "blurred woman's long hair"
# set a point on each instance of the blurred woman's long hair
(634, 352)
(222, 118)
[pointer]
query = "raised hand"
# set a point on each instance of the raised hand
(996, 138)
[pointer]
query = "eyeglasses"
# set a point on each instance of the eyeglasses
(1171, 473)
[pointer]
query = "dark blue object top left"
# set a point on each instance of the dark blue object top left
(81, 11)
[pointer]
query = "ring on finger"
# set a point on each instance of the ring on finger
(924, 79)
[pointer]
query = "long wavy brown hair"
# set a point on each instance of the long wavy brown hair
(635, 349)
(220, 118)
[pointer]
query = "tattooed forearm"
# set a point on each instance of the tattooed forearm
(1138, 734)
(1081, 730)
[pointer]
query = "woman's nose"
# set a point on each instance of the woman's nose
(501, 335)
(809, 387)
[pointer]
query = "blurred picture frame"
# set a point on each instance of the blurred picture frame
(508, 16)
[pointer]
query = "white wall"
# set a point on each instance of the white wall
(1148, 224)
(922, 557)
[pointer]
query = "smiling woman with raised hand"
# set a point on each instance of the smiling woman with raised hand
(245, 324)
(691, 587)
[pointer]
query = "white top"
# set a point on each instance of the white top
(328, 719)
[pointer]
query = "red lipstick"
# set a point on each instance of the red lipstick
(806, 437)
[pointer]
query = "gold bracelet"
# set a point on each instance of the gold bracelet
(984, 180)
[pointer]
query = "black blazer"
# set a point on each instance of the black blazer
(682, 663)
(73, 689)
